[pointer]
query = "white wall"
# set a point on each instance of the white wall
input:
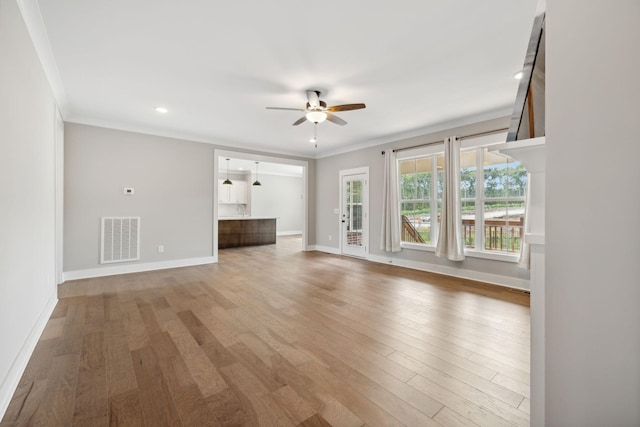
(173, 182)
(279, 197)
(593, 212)
(27, 197)
(328, 224)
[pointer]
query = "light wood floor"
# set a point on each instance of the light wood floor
(274, 336)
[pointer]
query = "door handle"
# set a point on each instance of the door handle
(344, 220)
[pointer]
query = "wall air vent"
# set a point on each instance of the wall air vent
(120, 239)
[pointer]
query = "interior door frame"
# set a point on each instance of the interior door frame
(365, 207)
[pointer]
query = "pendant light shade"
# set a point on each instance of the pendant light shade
(257, 183)
(227, 181)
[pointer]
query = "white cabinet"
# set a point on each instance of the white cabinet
(236, 193)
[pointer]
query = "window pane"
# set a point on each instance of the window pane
(468, 174)
(469, 224)
(357, 192)
(416, 182)
(416, 223)
(494, 174)
(503, 225)
(423, 186)
(503, 177)
(517, 180)
(408, 186)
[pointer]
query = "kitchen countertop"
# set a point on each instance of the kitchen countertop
(239, 217)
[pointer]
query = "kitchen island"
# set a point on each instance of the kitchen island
(239, 231)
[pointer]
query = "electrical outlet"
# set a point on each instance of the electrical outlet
(330, 237)
(161, 249)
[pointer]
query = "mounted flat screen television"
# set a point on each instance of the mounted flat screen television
(527, 120)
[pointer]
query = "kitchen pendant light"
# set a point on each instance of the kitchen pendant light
(257, 183)
(227, 181)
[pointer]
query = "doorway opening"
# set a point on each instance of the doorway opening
(272, 211)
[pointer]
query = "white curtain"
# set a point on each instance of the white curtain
(525, 256)
(390, 236)
(450, 239)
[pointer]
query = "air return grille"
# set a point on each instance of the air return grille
(120, 239)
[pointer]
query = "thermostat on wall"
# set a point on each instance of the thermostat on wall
(128, 191)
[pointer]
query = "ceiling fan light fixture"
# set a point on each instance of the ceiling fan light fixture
(316, 116)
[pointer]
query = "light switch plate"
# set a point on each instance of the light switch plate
(128, 191)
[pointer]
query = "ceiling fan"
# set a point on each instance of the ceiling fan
(316, 111)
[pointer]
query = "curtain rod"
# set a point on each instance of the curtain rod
(473, 135)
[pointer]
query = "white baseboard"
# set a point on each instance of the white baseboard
(11, 381)
(136, 268)
(494, 279)
(288, 233)
(327, 249)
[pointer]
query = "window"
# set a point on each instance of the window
(492, 189)
(421, 198)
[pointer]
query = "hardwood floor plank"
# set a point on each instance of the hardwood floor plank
(314, 421)
(462, 406)
(53, 329)
(25, 402)
(361, 406)
(204, 373)
(471, 402)
(156, 406)
(120, 373)
(295, 406)
(525, 406)
(135, 329)
(124, 409)
(229, 409)
(185, 395)
(407, 404)
(315, 396)
(59, 399)
(246, 353)
(91, 389)
(266, 409)
(450, 418)
(491, 389)
(73, 331)
(513, 385)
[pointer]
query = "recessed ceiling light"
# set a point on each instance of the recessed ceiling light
(161, 110)
(518, 75)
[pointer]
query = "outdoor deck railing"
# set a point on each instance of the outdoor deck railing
(409, 232)
(499, 234)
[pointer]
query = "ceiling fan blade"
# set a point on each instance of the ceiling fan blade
(280, 108)
(335, 119)
(300, 120)
(313, 98)
(346, 107)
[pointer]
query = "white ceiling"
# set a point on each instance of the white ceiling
(216, 65)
